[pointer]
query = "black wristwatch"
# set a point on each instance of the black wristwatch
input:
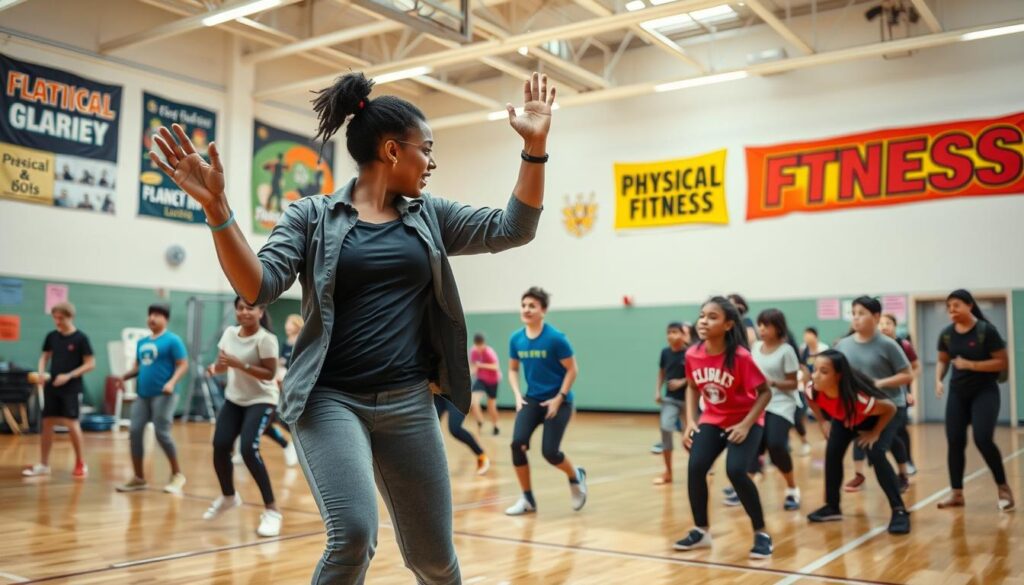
(535, 159)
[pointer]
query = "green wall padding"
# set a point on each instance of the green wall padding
(103, 311)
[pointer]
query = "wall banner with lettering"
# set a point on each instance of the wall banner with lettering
(285, 168)
(58, 137)
(158, 195)
(671, 193)
(888, 167)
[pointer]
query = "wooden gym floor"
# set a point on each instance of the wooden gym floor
(62, 531)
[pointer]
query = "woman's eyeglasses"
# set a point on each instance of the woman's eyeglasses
(426, 150)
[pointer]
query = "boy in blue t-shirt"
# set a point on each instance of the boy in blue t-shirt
(160, 361)
(550, 370)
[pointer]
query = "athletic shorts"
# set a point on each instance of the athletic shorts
(481, 386)
(60, 403)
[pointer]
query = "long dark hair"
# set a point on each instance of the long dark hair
(851, 382)
(264, 320)
(735, 337)
(777, 319)
(372, 120)
(966, 297)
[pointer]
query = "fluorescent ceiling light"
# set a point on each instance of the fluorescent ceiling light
(993, 32)
(669, 23)
(524, 51)
(240, 11)
(715, 12)
(403, 74)
(703, 80)
(635, 5)
(660, 2)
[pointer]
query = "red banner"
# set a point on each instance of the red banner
(888, 167)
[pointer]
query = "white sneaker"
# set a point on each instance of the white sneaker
(36, 470)
(133, 485)
(523, 506)
(805, 449)
(176, 485)
(291, 458)
(220, 505)
(579, 490)
(697, 538)
(237, 458)
(270, 523)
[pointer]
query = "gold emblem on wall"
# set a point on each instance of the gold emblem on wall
(579, 215)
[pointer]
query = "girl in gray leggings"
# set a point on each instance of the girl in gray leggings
(382, 313)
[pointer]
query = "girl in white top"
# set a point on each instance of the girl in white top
(248, 353)
(776, 356)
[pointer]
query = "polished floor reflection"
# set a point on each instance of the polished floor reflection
(58, 530)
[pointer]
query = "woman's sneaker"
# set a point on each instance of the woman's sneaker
(133, 485)
(81, 470)
(176, 485)
(270, 523)
(222, 504)
(762, 546)
(523, 506)
(792, 500)
(291, 458)
(732, 499)
(697, 538)
(900, 523)
(825, 514)
(483, 464)
(579, 490)
(37, 470)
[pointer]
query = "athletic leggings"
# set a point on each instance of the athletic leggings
(774, 440)
(839, 439)
(980, 410)
(708, 444)
(160, 411)
(799, 417)
(276, 435)
(455, 420)
(248, 422)
(528, 419)
(904, 435)
(900, 450)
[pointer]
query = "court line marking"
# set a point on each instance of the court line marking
(671, 560)
(175, 556)
(13, 577)
(831, 556)
(590, 482)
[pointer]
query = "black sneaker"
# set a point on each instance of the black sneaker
(904, 483)
(697, 538)
(900, 523)
(495, 432)
(762, 546)
(825, 514)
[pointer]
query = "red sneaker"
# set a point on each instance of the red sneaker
(81, 470)
(856, 484)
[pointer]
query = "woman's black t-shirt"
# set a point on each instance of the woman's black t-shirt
(381, 294)
(978, 344)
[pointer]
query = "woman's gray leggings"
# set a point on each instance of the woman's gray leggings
(160, 411)
(347, 442)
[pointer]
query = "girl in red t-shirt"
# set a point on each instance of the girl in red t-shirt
(859, 412)
(735, 395)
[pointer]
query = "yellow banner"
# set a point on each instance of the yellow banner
(670, 193)
(26, 174)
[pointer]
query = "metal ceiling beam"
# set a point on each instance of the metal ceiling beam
(816, 60)
(333, 38)
(656, 39)
(496, 47)
(778, 26)
(927, 15)
(10, 4)
(177, 27)
(582, 74)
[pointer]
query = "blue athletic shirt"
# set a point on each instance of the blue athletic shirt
(157, 359)
(541, 359)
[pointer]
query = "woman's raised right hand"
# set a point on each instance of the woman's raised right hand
(203, 181)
